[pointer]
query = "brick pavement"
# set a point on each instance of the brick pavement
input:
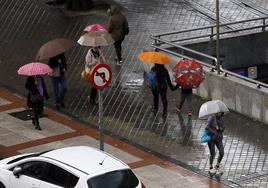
(19, 136)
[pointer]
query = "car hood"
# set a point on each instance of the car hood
(4, 161)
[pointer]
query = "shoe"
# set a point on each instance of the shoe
(57, 106)
(212, 170)
(62, 104)
(119, 63)
(190, 113)
(219, 171)
(154, 111)
(38, 128)
(178, 109)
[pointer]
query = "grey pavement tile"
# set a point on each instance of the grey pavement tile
(158, 177)
(4, 101)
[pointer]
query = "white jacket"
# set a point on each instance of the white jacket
(91, 60)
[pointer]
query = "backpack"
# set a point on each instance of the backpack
(151, 79)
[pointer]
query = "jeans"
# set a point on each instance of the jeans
(60, 88)
(211, 146)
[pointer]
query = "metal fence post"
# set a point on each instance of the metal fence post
(217, 36)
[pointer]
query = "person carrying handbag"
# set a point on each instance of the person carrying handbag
(94, 56)
(215, 129)
(35, 98)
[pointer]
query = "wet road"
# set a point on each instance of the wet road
(127, 103)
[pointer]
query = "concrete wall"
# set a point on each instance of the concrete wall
(239, 96)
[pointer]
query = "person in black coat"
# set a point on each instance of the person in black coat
(35, 98)
(163, 80)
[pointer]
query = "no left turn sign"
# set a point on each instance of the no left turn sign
(101, 76)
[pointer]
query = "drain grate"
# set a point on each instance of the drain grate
(25, 115)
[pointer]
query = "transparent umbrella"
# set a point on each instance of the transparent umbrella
(212, 107)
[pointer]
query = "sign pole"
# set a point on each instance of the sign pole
(100, 121)
(100, 78)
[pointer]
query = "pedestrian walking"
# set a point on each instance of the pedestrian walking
(35, 98)
(163, 80)
(94, 56)
(186, 94)
(118, 27)
(59, 82)
(215, 128)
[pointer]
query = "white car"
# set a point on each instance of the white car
(70, 167)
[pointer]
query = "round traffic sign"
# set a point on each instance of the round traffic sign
(101, 76)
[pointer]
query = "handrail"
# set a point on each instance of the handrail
(212, 26)
(185, 48)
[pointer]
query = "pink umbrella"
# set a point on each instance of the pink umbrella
(34, 69)
(96, 28)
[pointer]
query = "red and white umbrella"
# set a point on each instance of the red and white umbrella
(188, 73)
(96, 28)
(34, 69)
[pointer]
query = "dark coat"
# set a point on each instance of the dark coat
(32, 90)
(163, 79)
(117, 23)
(54, 63)
(212, 123)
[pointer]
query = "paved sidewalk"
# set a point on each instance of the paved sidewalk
(19, 136)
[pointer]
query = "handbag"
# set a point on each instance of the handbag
(37, 99)
(205, 137)
(85, 75)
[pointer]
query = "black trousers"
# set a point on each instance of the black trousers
(93, 95)
(163, 95)
(118, 49)
(211, 146)
(37, 111)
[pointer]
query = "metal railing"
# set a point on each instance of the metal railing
(212, 28)
(158, 41)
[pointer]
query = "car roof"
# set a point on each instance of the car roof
(86, 159)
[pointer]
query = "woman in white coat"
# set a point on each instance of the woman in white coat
(94, 56)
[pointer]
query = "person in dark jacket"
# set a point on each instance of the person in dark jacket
(215, 129)
(59, 82)
(118, 27)
(36, 89)
(163, 80)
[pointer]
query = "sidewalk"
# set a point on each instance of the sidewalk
(19, 136)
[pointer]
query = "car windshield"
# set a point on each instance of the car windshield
(115, 179)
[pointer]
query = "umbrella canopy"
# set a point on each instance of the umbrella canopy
(96, 28)
(34, 69)
(53, 48)
(99, 38)
(188, 73)
(153, 57)
(212, 107)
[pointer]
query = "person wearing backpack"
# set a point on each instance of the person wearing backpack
(160, 81)
(118, 27)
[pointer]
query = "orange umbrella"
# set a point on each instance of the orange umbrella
(153, 57)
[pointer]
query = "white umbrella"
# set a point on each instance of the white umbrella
(96, 39)
(212, 107)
